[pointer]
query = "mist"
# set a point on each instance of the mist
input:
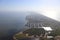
(11, 22)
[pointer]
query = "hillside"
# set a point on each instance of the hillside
(46, 21)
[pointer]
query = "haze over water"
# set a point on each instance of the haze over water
(12, 18)
(50, 8)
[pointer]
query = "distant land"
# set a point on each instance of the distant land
(13, 22)
(46, 21)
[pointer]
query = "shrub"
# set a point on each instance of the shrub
(35, 31)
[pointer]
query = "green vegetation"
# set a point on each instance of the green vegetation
(35, 31)
(30, 32)
(55, 32)
(21, 36)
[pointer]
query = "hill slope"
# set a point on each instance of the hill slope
(46, 21)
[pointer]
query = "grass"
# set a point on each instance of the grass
(30, 32)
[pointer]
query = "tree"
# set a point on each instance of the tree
(35, 31)
(55, 32)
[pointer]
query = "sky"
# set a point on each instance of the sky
(50, 8)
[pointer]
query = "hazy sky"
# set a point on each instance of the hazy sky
(50, 8)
